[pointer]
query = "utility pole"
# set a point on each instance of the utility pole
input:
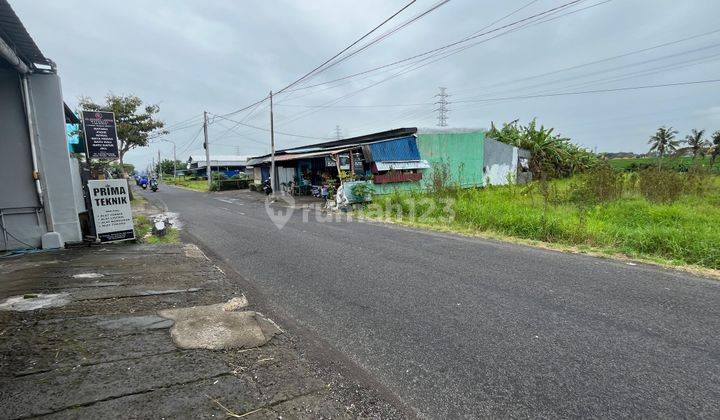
(208, 170)
(159, 166)
(443, 108)
(338, 132)
(272, 148)
(174, 164)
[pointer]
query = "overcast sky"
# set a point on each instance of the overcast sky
(221, 55)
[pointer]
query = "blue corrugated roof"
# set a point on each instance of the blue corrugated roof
(403, 148)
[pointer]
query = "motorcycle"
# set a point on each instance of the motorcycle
(153, 185)
(144, 183)
(267, 188)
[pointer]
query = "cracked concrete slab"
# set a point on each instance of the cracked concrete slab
(113, 358)
(78, 386)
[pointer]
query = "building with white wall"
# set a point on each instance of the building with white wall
(37, 194)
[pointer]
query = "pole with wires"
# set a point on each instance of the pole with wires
(207, 151)
(272, 148)
(443, 107)
(160, 169)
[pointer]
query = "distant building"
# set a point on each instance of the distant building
(39, 204)
(230, 165)
(399, 159)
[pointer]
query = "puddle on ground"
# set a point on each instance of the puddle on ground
(88, 276)
(31, 302)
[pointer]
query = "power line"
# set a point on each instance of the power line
(426, 58)
(621, 67)
(696, 82)
(239, 135)
(446, 46)
(316, 69)
(554, 72)
(528, 20)
(268, 130)
(192, 141)
(603, 60)
(390, 32)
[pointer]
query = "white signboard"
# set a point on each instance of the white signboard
(111, 210)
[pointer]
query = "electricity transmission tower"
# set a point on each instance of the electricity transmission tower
(443, 107)
(338, 132)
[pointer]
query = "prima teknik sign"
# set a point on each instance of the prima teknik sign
(111, 210)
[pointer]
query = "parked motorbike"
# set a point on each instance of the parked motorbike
(153, 185)
(143, 183)
(266, 187)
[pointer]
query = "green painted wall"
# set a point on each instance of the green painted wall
(391, 187)
(462, 152)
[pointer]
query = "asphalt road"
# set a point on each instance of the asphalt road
(464, 327)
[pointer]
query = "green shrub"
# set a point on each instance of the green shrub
(601, 184)
(440, 178)
(699, 180)
(660, 186)
(362, 190)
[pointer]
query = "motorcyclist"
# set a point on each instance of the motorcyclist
(153, 184)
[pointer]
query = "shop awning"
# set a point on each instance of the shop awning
(286, 157)
(402, 165)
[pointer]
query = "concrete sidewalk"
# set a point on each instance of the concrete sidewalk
(95, 347)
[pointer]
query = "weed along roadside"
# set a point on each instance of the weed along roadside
(661, 216)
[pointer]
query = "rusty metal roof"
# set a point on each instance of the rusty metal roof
(17, 37)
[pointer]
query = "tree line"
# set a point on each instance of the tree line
(664, 142)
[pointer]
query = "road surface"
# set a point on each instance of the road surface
(464, 327)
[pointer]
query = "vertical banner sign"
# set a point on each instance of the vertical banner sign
(111, 209)
(100, 135)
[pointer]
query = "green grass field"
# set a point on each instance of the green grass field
(198, 185)
(625, 164)
(684, 232)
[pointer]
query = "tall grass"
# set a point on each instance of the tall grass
(683, 231)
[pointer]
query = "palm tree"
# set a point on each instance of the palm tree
(663, 142)
(716, 146)
(697, 144)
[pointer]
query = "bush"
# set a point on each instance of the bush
(660, 186)
(601, 184)
(439, 178)
(219, 176)
(698, 180)
(362, 191)
(215, 186)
